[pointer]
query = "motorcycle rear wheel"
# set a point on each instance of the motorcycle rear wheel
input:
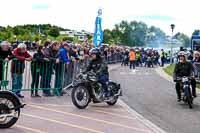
(113, 102)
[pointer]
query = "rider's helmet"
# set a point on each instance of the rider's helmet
(182, 54)
(94, 51)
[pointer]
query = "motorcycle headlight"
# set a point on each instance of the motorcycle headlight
(93, 78)
(185, 79)
(84, 76)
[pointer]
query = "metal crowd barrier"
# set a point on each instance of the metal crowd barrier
(44, 75)
(114, 58)
(32, 76)
(197, 71)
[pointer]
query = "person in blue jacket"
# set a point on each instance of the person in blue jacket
(62, 67)
(64, 52)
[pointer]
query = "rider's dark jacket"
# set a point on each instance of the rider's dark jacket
(183, 69)
(98, 66)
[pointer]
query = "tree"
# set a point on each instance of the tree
(107, 36)
(132, 34)
(36, 38)
(154, 37)
(116, 35)
(54, 32)
(89, 37)
(184, 39)
(196, 32)
(68, 39)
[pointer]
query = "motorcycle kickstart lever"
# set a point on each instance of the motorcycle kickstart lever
(18, 107)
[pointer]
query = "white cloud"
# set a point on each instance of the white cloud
(80, 14)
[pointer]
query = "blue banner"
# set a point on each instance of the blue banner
(98, 33)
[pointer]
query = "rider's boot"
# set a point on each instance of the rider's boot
(178, 99)
(194, 92)
(178, 92)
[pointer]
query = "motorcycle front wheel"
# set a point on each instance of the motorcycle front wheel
(113, 101)
(8, 117)
(80, 97)
(190, 102)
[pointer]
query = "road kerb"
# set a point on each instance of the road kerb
(138, 116)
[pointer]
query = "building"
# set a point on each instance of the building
(82, 35)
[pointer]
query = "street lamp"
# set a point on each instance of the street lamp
(172, 28)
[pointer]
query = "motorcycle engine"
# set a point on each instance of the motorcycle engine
(98, 90)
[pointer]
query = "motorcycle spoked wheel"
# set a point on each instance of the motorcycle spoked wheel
(189, 101)
(7, 102)
(115, 98)
(80, 97)
(113, 101)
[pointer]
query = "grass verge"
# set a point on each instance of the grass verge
(169, 69)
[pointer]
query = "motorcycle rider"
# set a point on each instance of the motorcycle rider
(99, 66)
(184, 68)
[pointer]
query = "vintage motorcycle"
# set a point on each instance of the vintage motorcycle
(186, 90)
(86, 88)
(10, 107)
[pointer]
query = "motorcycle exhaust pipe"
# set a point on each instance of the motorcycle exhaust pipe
(119, 93)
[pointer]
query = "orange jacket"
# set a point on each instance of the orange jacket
(132, 56)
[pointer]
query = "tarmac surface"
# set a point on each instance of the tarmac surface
(58, 115)
(148, 92)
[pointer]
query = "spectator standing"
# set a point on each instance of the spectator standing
(5, 56)
(132, 59)
(138, 58)
(190, 56)
(36, 67)
(163, 58)
(17, 68)
(64, 58)
(196, 63)
(64, 53)
(50, 52)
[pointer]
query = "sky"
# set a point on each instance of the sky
(80, 14)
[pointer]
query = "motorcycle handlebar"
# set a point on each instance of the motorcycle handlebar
(180, 78)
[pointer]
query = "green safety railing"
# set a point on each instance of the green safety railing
(40, 74)
(32, 76)
(3, 74)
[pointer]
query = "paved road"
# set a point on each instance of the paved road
(58, 115)
(154, 97)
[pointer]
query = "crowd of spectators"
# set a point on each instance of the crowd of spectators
(52, 59)
(57, 60)
(139, 57)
